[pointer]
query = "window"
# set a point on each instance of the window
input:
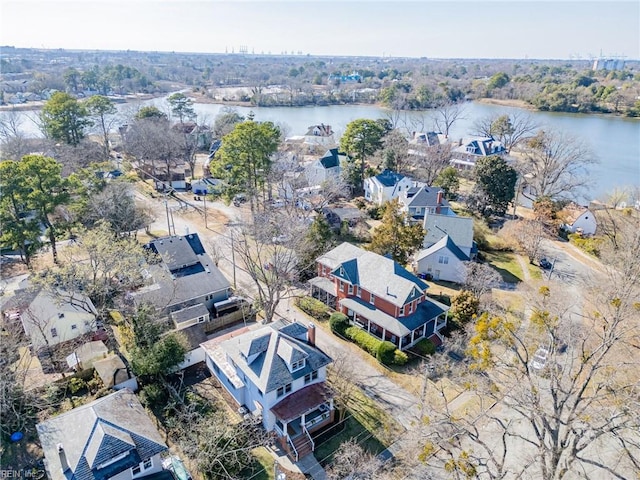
(284, 390)
(372, 299)
(74, 327)
(309, 377)
(350, 289)
(402, 311)
(410, 307)
(341, 286)
(297, 365)
(443, 260)
(54, 332)
(146, 465)
(201, 319)
(358, 291)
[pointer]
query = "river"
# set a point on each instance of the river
(615, 141)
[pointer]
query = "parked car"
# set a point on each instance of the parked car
(539, 358)
(545, 264)
(238, 199)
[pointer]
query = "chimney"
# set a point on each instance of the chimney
(311, 334)
(63, 458)
(438, 201)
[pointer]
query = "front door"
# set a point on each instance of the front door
(436, 275)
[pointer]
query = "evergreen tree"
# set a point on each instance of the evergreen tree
(396, 236)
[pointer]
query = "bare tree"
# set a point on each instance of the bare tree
(428, 161)
(341, 379)
(352, 462)
(446, 114)
(527, 234)
(13, 142)
(568, 412)
(509, 129)
(266, 253)
(116, 205)
(480, 278)
(556, 164)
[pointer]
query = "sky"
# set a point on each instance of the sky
(539, 29)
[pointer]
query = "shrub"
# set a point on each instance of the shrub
(339, 323)
(588, 245)
(77, 384)
(386, 352)
(364, 340)
(425, 347)
(154, 395)
(313, 307)
(465, 306)
(399, 357)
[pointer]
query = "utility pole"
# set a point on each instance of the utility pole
(166, 206)
(205, 211)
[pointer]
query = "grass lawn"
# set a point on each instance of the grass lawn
(506, 264)
(262, 467)
(372, 428)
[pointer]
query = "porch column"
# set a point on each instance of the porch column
(368, 326)
(424, 329)
(285, 429)
(384, 334)
(400, 343)
(302, 420)
(413, 334)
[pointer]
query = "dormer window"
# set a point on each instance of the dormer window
(342, 272)
(295, 366)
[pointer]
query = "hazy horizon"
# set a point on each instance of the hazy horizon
(514, 30)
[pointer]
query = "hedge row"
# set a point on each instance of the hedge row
(384, 351)
(313, 307)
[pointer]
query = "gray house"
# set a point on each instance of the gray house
(112, 437)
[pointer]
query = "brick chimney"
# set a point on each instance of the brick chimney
(311, 334)
(63, 458)
(439, 201)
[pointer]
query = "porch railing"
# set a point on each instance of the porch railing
(320, 418)
(292, 446)
(304, 429)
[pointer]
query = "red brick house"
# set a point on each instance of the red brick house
(378, 295)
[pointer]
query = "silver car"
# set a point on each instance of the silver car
(539, 358)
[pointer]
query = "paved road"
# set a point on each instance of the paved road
(402, 405)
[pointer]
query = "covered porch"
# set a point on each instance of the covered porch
(300, 414)
(323, 289)
(403, 332)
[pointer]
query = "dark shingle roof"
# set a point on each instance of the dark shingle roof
(96, 433)
(375, 273)
(331, 159)
(389, 178)
(424, 197)
(269, 370)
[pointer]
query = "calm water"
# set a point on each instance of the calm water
(615, 141)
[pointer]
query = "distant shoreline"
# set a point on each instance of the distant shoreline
(37, 105)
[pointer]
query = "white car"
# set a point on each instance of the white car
(539, 358)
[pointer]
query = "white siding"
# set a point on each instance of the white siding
(451, 271)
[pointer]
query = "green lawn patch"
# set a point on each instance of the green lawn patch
(262, 467)
(506, 264)
(371, 426)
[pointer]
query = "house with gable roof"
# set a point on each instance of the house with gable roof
(51, 317)
(386, 186)
(112, 437)
(447, 243)
(276, 372)
(326, 168)
(189, 290)
(417, 202)
(378, 295)
(469, 150)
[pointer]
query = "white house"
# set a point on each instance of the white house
(49, 319)
(459, 229)
(469, 150)
(276, 372)
(109, 438)
(579, 220)
(326, 168)
(442, 260)
(420, 201)
(386, 186)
